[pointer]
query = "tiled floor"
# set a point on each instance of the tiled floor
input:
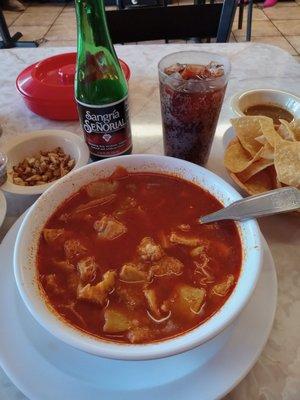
(53, 24)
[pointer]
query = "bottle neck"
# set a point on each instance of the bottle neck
(99, 78)
(92, 31)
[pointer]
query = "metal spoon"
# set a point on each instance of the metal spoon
(272, 202)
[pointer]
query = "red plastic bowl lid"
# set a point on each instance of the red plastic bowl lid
(52, 79)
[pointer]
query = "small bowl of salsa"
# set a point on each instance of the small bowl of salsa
(272, 103)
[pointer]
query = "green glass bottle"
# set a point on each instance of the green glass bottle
(101, 90)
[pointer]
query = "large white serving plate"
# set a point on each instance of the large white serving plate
(43, 367)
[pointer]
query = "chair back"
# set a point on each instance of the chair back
(201, 21)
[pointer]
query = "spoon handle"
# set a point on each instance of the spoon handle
(268, 203)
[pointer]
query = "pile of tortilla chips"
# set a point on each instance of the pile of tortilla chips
(263, 157)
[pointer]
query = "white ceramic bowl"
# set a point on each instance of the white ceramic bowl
(241, 101)
(32, 143)
(27, 242)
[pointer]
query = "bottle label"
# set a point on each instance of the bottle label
(106, 128)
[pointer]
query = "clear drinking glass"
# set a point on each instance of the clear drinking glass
(190, 107)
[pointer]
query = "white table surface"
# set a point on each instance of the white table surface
(276, 375)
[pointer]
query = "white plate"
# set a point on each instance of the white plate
(3, 208)
(43, 367)
(29, 144)
(228, 136)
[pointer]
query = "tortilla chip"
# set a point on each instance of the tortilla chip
(247, 129)
(285, 131)
(254, 168)
(268, 130)
(261, 139)
(261, 158)
(295, 126)
(276, 183)
(287, 162)
(236, 158)
(267, 152)
(259, 183)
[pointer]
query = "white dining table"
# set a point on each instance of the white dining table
(276, 374)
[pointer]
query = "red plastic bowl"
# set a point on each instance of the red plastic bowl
(47, 87)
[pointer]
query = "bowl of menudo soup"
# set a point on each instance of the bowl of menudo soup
(112, 258)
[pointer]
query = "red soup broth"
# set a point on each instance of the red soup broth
(125, 258)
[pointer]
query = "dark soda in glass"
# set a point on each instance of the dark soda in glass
(192, 88)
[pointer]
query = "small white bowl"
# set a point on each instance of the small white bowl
(25, 256)
(32, 143)
(241, 101)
